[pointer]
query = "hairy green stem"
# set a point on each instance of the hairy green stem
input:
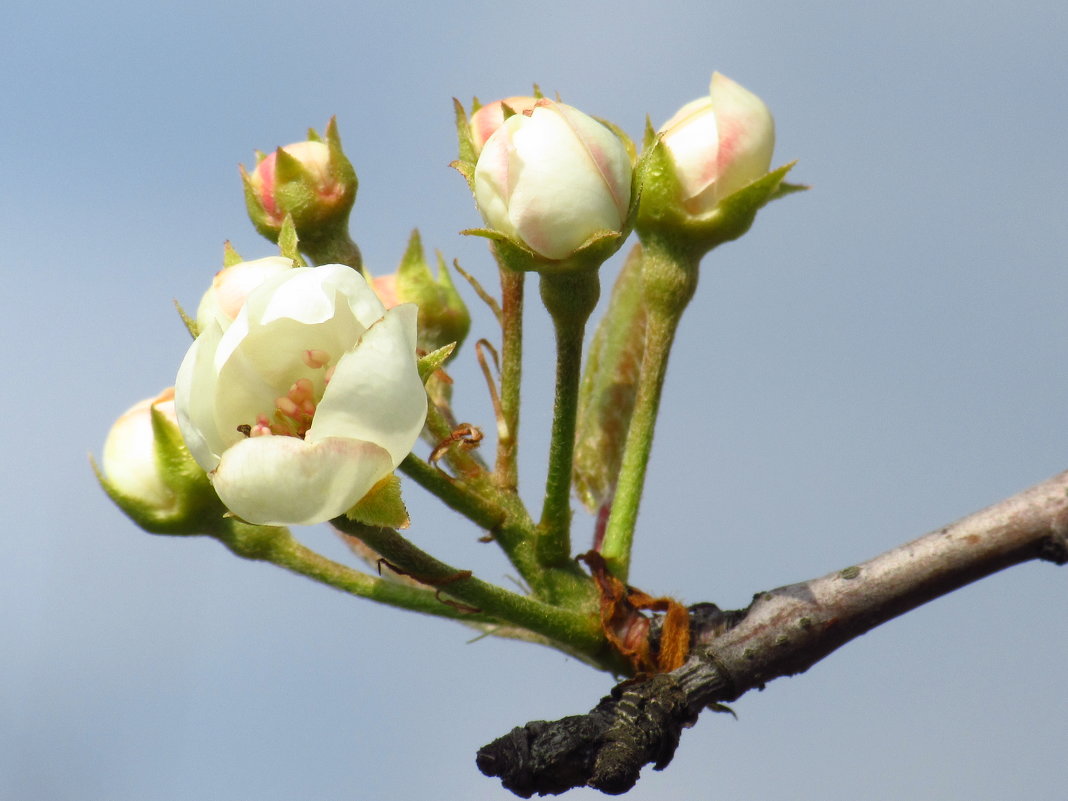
(570, 297)
(278, 546)
(507, 469)
(495, 512)
(669, 276)
(334, 247)
(578, 631)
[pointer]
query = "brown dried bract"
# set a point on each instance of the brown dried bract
(628, 629)
(465, 436)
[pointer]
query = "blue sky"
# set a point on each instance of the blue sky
(879, 356)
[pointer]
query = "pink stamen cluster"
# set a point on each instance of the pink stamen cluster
(294, 411)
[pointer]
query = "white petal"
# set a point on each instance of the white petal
(258, 364)
(693, 139)
(746, 134)
(194, 399)
(288, 481)
(561, 197)
(311, 296)
(375, 393)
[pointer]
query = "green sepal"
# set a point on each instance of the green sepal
(382, 507)
(189, 323)
(340, 166)
(468, 153)
(609, 385)
(443, 315)
(788, 189)
(431, 363)
(661, 212)
(297, 192)
(515, 255)
(230, 255)
(648, 135)
(194, 507)
(288, 242)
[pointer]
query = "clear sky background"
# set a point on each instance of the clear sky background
(878, 357)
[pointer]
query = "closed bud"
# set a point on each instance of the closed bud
(553, 182)
(312, 181)
(149, 474)
(490, 117)
(705, 174)
(443, 315)
(718, 144)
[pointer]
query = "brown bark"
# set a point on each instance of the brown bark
(781, 633)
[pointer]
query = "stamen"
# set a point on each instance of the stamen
(262, 427)
(316, 358)
(286, 406)
(295, 409)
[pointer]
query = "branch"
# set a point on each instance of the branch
(781, 633)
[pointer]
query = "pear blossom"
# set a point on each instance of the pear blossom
(309, 398)
(551, 178)
(130, 458)
(719, 143)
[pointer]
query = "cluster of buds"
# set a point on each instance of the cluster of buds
(556, 183)
(302, 393)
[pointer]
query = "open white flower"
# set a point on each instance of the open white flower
(306, 401)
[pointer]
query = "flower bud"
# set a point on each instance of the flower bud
(150, 475)
(232, 285)
(443, 315)
(718, 144)
(553, 180)
(312, 181)
(490, 117)
(704, 175)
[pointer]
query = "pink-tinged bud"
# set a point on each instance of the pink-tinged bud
(311, 181)
(314, 157)
(233, 284)
(553, 179)
(489, 117)
(443, 316)
(385, 286)
(718, 144)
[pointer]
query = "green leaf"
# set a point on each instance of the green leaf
(609, 383)
(382, 507)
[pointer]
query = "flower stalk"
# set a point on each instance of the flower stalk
(669, 277)
(507, 470)
(570, 297)
(577, 631)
